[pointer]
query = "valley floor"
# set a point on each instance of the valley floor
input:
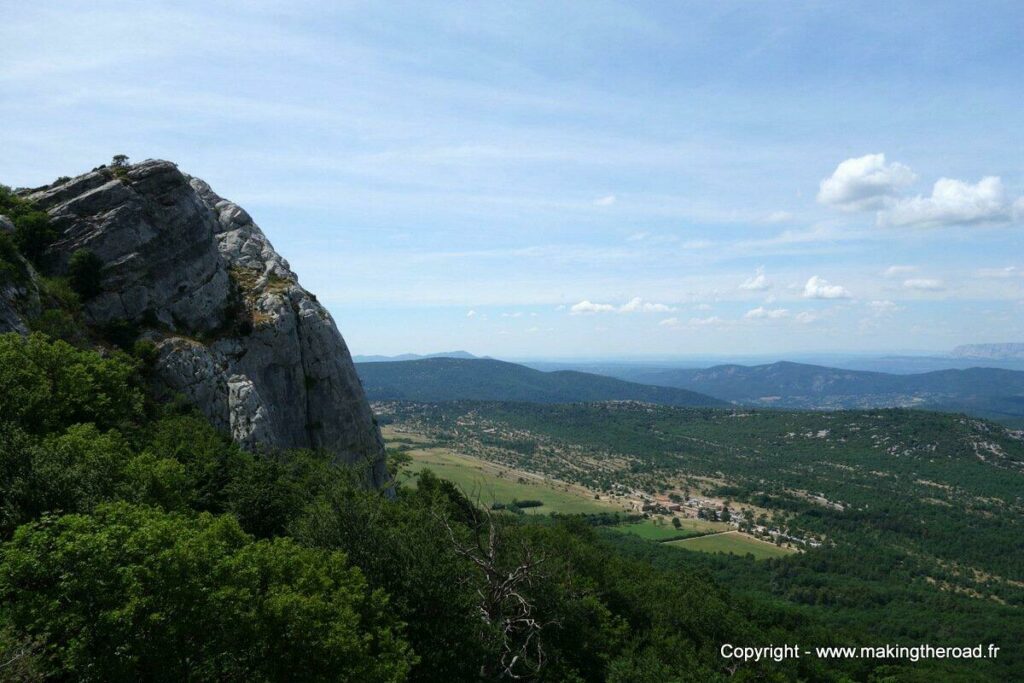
(492, 483)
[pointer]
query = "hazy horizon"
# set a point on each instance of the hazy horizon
(598, 180)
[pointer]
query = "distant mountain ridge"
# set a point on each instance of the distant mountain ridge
(1006, 351)
(414, 356)
(987, 392)
(481, 379)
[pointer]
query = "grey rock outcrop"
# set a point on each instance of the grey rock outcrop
(234, 330)
(19, 298)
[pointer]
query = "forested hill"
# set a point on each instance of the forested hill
(986, 392)
(454, 379)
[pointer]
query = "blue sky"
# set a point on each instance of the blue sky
(579, 179)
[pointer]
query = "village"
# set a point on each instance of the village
(673, 506)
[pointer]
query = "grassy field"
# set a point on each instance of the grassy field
(652, 531)
(735, 543)
(494, 484)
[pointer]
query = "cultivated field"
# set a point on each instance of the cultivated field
(654, 531)
(733, 542)
(492, 483)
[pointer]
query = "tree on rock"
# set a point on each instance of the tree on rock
(85, 270)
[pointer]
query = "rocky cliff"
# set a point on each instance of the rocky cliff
(235, 332)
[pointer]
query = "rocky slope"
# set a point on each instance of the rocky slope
(235, 332)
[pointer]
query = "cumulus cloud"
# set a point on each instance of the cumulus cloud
(870, 183)
(638, 305)
(585, 307)
(758, 282)
(669, 322)
(767, 313)
(634, 305)
(864, 183)
(819, 288)
(517, 314)
(607, 200)
(925, 284)
(952, 202)
(471, 314)
(638, 236)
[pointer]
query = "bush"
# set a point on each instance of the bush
(85, 273)
(34, 234)
(46, 386)
(132, 593)
(10, 268)
(57, 323)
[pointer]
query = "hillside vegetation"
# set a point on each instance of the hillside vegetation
(455, 379)
(137, 543)
(917, 518)
(993, 393)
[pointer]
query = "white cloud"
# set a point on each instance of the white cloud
(897, 271)
(925, 284)
(806, 317)
(703, 307)
(704, 322)
(767, 313)
(819, 288)
(605, 201)
(999, 273)
(638, 305)
(669, 322)
(638, 236)
(952, 202)
(864, 183)
(517, 314)
(634, 305)
(758, 282)
(471, 314)
(883, 307)
(585, 307)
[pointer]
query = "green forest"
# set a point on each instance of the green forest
(138, 543)
(920, 512)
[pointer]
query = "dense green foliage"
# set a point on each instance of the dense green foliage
(484, 379)
(33, 232)
(132, 593)
(85, 273)
(922, 514)
(140, 544)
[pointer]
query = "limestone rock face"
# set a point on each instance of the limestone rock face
(236, 333)
(17, 299)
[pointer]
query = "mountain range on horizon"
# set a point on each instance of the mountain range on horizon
(994, 393)
(377, 358)
(484, 379)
